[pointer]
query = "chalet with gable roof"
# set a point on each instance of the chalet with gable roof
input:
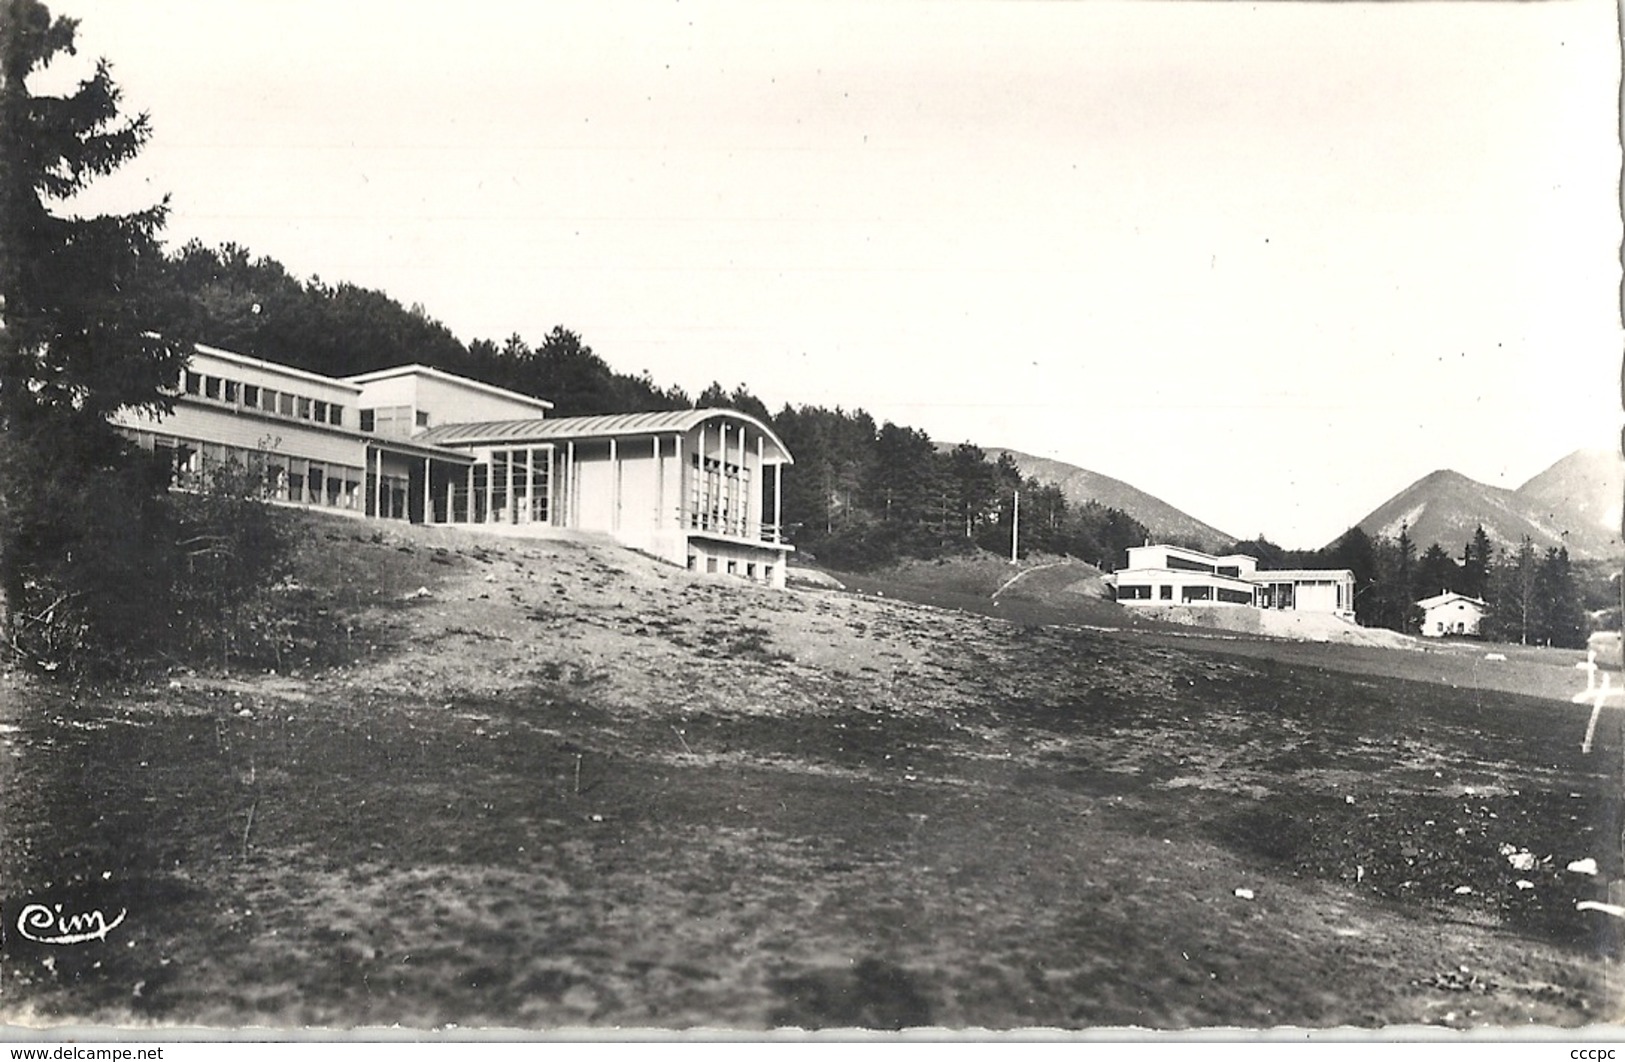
(1449, 613)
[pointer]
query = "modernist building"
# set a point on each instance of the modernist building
(412, 443)
(1172, 575)
(1452, 613)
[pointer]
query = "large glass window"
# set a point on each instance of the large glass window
(482, 475)
(298, 467)
(539, 462)
(500, 467)
(718, 496)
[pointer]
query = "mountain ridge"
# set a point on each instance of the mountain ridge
(1575, 502)
(1080, 485)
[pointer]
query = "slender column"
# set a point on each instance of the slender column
(614, 487)
(428, 495)
(756, 487)
(490, 488)
(468, 498)
(743, 489)
(682, 492)
(508, 473)
(724, 484)
(530, 483)
(660, 483)
(378, 483)
(570, 479)
(553, 491)
(778, 512)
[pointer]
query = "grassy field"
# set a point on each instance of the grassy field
(548, 785)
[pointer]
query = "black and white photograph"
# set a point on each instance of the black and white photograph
(873, 521)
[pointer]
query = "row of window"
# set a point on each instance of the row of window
(1187, 594)
(759, 572)
(279, 477)
(264, 399)
(1186, 564)
(514, 488)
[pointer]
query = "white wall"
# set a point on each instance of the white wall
(594, 483)
(292, 438)
(1315, 597)
(1470, 616)
(449, 402)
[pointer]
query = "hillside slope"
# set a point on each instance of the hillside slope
(1582, 493)
(1575, 502)
(555, 785)
(1080, 485)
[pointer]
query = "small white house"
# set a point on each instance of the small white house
(1451, 613)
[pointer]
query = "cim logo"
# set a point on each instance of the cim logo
(49, 925)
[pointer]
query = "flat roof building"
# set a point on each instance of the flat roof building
(1172, 575)
(695, 487)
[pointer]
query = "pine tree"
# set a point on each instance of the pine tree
(1476, 558)
(1513, 606)
(1560, 615)
(1436, 572)
(82, 304)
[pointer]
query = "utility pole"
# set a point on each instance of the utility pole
(1015, 525)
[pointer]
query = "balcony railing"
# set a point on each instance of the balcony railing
(731, 526)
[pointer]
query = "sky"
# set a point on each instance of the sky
(1270, 263)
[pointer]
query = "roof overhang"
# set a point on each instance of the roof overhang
(607, 426)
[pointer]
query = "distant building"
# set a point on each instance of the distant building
(416, 444)
(1452, 613)
(1173, 575)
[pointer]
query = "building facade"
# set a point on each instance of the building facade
(698, 488)
(1172, 575)
(1451, 613)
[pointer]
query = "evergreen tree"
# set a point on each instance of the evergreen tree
(1476, 558)
(1560, 616)
(82, 304)
(898, 489)
(1436, 572)
(972, 481)
(1514, 610)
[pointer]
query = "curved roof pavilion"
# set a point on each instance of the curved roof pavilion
(606, 426)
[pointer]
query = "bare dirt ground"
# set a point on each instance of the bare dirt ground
(566, 786)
